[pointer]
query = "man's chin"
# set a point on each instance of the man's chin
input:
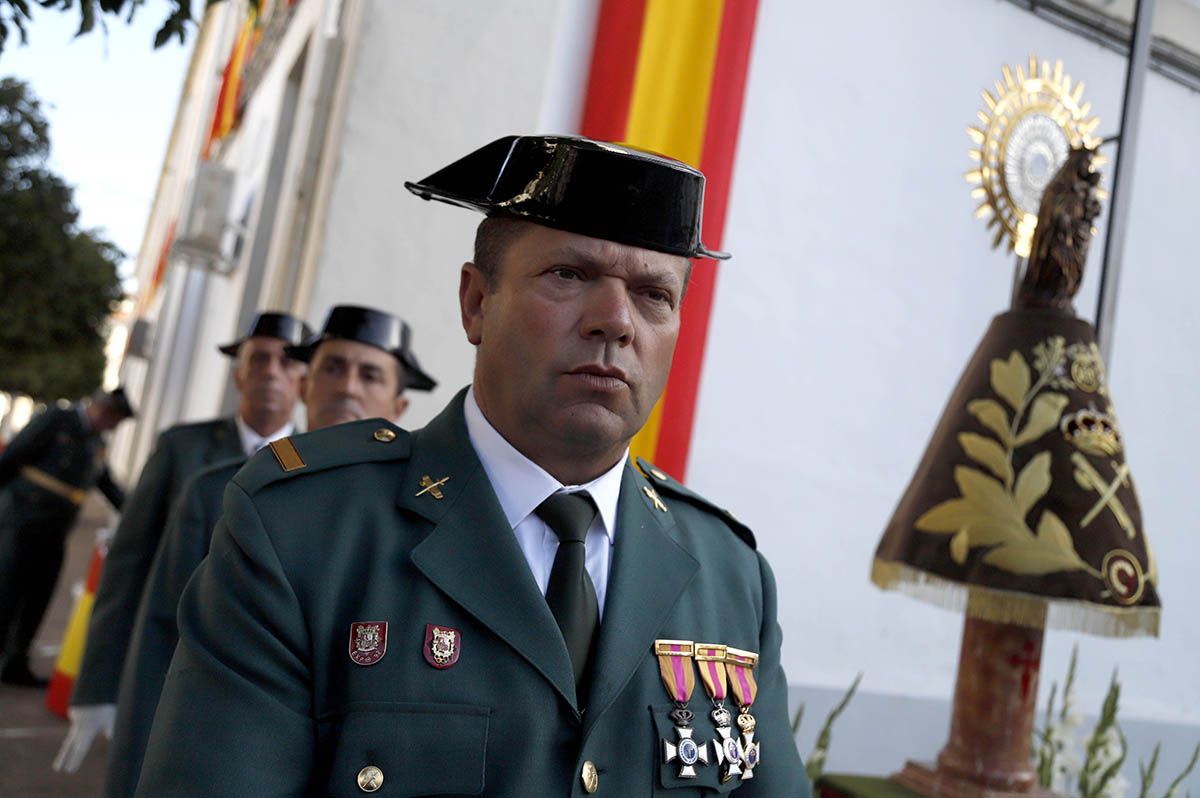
(596, 426)
(340, 417)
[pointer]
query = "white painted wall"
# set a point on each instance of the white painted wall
(433, 80)
(859, 286)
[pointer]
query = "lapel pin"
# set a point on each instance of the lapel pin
(432, 488)
(442, 645)
(368, 642)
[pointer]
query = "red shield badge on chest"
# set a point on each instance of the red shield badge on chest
(368, 641)
(442, 645)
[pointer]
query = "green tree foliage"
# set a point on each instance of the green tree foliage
(17, 14)
(58, 283)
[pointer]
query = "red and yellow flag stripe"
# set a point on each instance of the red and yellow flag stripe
(670, 76)
(70, 655)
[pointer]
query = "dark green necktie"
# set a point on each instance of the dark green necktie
(571, 594)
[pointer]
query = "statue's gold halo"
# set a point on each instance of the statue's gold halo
(1025, 130)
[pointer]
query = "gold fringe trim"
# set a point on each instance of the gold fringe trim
(1005, 606)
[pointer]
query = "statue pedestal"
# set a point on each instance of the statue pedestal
(991, 732)
(926, 780)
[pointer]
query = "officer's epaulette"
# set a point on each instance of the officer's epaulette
(665, 483)
(366, 441)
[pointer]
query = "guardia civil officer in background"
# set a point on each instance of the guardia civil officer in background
(360, 365)
(269, 384)
(499, 603)
(45, 474)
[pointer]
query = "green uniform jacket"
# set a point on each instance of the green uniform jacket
(263, 698)
(56, 442)
(179, 453)
(184, 545)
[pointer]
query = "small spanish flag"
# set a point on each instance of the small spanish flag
(670, 76)
(70, 655)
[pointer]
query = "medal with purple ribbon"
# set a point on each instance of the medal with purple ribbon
(710, 659)
(675, 667)
(740, 665)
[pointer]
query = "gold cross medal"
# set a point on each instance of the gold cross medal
(675, 667)
(740, 665)
(710, 659)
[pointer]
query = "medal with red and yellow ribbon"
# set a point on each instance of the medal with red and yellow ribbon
(740, 666)
(710, 659)
(675, 667)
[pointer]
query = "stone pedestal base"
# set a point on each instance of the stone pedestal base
(928, 781)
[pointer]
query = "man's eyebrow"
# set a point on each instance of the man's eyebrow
(586, 257)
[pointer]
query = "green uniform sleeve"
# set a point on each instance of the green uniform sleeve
(235, 714)
(125, 569)
(782, 773)
(111, 490)
(26, 445)
(184, 545)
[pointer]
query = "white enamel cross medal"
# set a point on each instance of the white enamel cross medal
(675, 667)
(750, 749)
(685, 750)
(728, 748)
(740, 666)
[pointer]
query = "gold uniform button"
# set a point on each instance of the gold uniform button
(591, 779)
(384, 435)
(370, 779)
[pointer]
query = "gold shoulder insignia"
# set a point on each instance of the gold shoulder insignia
(285, 452)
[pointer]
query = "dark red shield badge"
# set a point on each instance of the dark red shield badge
(442, 645)
(368, 641)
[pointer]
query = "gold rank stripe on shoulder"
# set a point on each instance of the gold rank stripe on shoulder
(285, 452)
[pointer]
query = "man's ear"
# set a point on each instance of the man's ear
(472, 288)
(238, 380)
(398, 408)
(304, 378)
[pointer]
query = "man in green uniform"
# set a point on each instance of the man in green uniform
(269, 384)
(45, 473)
(361, 364)
(499, 603)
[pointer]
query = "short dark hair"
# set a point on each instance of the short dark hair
(492, 239)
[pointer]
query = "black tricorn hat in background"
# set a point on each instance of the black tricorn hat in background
(375, 328)
(119, 401)
(593, 188)
(271, 324)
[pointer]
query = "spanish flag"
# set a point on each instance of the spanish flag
(670, 76)
(70, 656)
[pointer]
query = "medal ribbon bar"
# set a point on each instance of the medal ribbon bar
(710, 658)
(740, 665)
(675, 666)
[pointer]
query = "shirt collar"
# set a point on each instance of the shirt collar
(252, 441)
(521, 484)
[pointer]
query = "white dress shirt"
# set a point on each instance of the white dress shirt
(521, 485)
(252, 441)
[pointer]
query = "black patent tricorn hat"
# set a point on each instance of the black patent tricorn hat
(593, 188)
(375, 328)
(271, 324)
(120, 402)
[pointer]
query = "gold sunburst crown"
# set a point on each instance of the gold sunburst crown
(1023, 135)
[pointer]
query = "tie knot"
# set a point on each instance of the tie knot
(569, 515)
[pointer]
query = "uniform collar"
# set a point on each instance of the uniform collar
(252, 441)
(521, 484)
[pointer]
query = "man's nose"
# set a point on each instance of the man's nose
(607, 312)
